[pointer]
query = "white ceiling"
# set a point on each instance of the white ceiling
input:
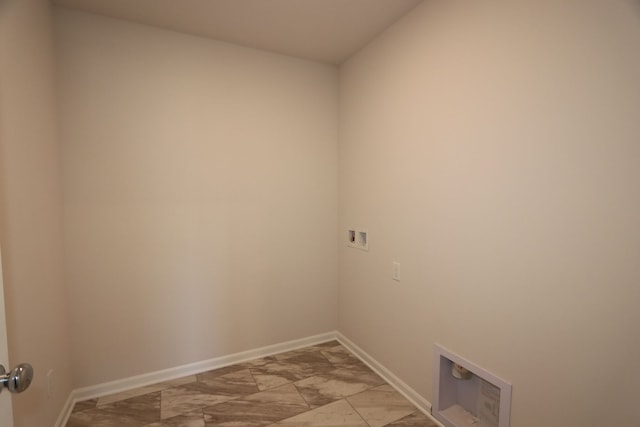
(321, 30)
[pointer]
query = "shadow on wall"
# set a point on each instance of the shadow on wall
(635, 4)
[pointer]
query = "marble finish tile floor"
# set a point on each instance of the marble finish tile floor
(318, 386)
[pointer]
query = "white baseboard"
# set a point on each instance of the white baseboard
(66, 411)
(409, 393)
(130, 383)
(137, 381)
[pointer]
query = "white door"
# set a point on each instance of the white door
(6, 411)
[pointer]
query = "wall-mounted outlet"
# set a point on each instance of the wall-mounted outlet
(50, 383)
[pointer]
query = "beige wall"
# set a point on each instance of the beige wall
(492, 149)
(200, 196)
(30, 210)
(489, 148)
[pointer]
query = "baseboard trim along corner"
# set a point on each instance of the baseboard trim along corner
(403, 388)
(125, 384)
(65, 413)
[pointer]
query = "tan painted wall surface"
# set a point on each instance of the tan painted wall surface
(492, 148)
(30, 210)
(200, 194)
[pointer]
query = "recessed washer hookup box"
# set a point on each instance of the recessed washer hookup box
(466, 395)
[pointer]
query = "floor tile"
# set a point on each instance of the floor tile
(267, 381)
(322, 389)
(234, 384)
(417, 419)
(179, 381)
(134, 412)
(255, 363)
(210, 391)
(341, 357)
(337, 414)
(218, 372)
(144, 390)
(258, 409)
(87, 404)
(310, 349)
(309, 364)
(141, 391)
(321, 385)
(381, 405)
(183, 400)
(291, 369)
(195, 419)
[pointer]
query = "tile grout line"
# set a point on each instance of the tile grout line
(357, 412)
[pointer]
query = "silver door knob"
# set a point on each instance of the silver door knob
(18, 380)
